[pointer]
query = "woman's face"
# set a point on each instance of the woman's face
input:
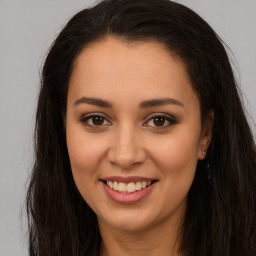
(134, 133)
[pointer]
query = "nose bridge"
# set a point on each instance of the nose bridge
(126, 148)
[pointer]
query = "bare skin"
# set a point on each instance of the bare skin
(133, 114)
(141, 243)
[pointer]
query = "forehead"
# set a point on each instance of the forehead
(143, 69)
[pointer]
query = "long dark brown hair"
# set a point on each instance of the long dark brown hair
(220, 218)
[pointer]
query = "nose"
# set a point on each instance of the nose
(126, 149)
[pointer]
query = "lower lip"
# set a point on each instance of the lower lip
(128, 198)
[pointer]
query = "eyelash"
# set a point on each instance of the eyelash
(166, 117)
(85, 120)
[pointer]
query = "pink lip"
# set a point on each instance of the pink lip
(127, 179)
(128, 198)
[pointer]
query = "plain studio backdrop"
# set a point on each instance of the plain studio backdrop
(28, 28)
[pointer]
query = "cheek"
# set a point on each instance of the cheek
(176, 158)
(176, 152)
(85, 156)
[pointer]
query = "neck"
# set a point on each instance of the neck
(156, 241)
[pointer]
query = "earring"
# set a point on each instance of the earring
(205, 152)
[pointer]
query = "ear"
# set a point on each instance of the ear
(206, 135)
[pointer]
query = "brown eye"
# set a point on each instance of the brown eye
(159, 121)
(97, 120)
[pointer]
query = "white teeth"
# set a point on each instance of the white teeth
(128, 188)
(138, 185)
(122, 187)
(143, 184)
(115, 185)
(110, 184)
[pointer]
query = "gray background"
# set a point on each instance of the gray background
(27, 29)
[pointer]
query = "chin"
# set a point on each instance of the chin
(130, 220)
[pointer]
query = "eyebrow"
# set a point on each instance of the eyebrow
(159, 102)
(143, 104)
(93, 101)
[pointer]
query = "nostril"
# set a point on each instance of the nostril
(126, 154)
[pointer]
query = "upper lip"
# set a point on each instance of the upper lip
(127, 179)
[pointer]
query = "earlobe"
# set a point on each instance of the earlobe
(206, 135)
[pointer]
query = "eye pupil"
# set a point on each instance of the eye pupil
(98, 120)
(159, 121)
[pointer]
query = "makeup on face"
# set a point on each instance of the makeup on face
(134, 133)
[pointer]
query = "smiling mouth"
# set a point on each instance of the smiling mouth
(128, 188)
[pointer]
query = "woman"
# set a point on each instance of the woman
(142, 144)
